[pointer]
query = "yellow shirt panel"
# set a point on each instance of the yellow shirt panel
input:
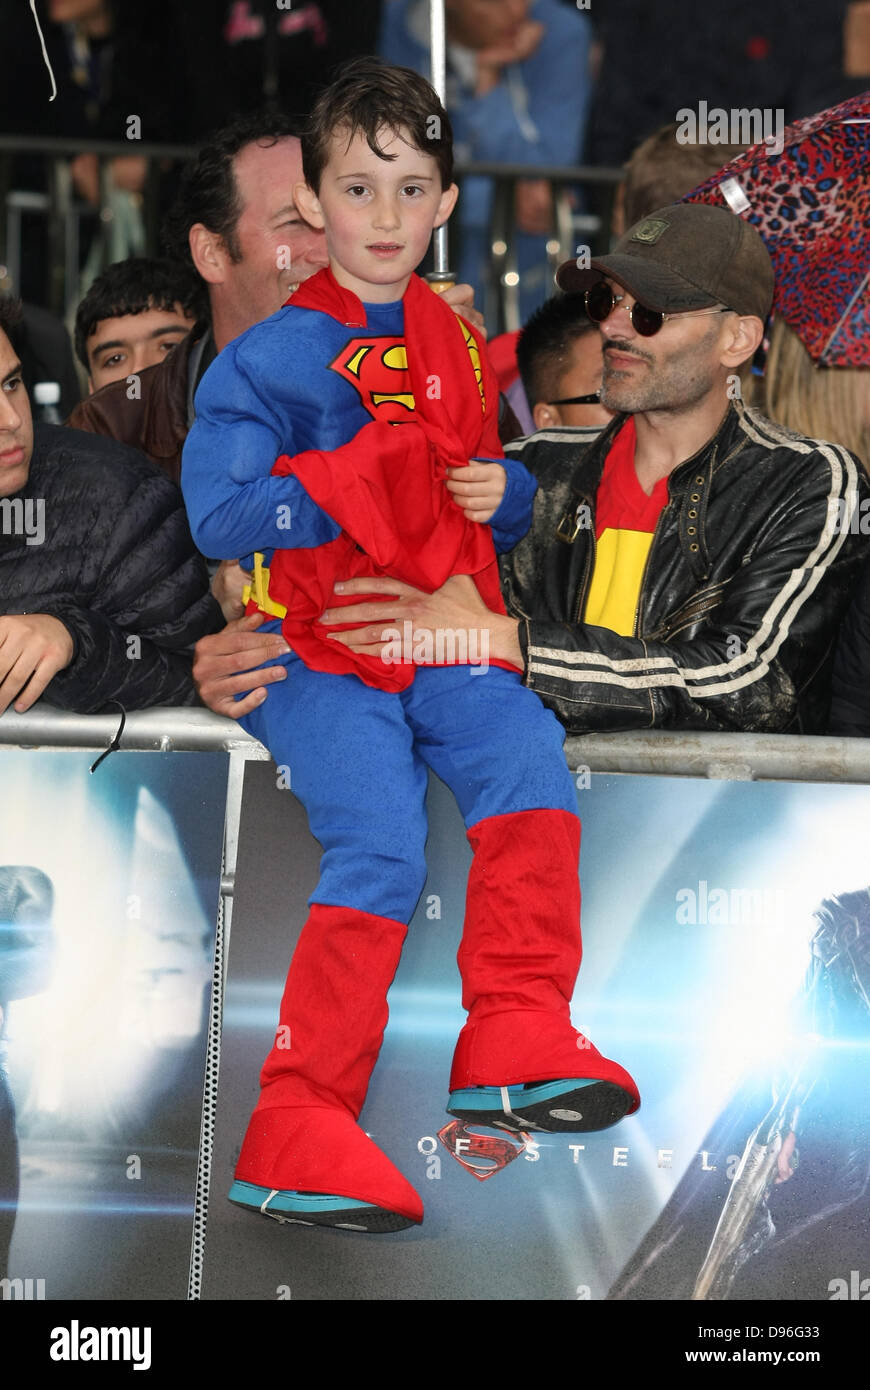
(620, 557)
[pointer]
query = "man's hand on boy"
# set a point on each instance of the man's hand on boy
(477, 489)
(456, 606)
(460, 298)
(224, 665)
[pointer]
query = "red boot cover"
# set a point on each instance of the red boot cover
(506, 1049)
(316, 1149)
(521, 939)
(334, 1010)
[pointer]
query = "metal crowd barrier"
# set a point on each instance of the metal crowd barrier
(728, 757)
(64, 211)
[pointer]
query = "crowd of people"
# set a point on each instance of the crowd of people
(529, 82)
(146, 334)
(631, 542)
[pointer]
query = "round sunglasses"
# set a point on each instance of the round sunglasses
(601, 302)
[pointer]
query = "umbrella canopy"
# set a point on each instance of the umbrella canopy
(811, 204)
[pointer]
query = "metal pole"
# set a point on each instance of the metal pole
(441, 277)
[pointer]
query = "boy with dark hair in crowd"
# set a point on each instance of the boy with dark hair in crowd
(133, 315)
(374, 396)
(559, 357)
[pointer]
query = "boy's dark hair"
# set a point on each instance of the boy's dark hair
(544, 344)
(133, 287)
(368, 95)
(11, 314)
(208, 192)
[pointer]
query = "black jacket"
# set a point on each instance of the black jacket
(850, 707)
(116, 566)
(749, 573)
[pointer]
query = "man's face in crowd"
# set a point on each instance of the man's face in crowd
(674, 370)
(121, 346)
(485, 23)
(269, 227)
(16, 422)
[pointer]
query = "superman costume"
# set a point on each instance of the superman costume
(322, 436)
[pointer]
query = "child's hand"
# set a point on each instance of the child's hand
(477, 489)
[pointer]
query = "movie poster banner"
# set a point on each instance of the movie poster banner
(726, 930)
(109, 890)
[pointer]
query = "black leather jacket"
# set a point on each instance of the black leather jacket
(749, 573)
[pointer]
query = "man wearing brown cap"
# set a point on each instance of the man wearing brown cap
(689, 568)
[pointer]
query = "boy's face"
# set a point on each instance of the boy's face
(378, 214)
(122, 346)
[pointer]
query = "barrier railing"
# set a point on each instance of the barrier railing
(732, 756)
(728, 757)
(63, 212)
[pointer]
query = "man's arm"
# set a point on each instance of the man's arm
(776, 617)
(769, 628)
(234, 503)
(232, 662)
(131, 638)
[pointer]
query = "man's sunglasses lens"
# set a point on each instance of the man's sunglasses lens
(600, 303)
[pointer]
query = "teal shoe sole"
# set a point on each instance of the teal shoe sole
(317, 1209)
(571, 1106)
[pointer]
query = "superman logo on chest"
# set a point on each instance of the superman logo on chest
(377, 369)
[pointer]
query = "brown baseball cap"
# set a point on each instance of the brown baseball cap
(687, 256)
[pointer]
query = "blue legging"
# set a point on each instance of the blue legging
(357, 759)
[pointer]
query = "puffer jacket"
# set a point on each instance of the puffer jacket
(116, 565)
(749, 573)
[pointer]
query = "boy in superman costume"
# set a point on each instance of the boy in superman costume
(368, 389)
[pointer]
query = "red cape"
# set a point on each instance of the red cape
(386, 487)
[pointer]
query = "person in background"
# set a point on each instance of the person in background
(47, 356)
(518, 90)
(234, 226)
(133, 316)
(750, 54)
(120, 74)
(243, 54)
(825, 402)
(102, 593)
(559, 356)
(661, 171)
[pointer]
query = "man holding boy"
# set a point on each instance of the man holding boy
(374, 388)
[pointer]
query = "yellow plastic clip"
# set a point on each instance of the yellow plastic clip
(258, 590)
